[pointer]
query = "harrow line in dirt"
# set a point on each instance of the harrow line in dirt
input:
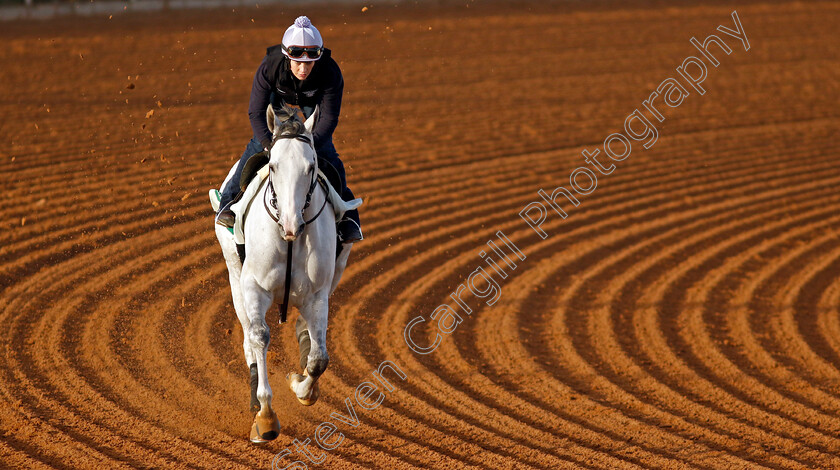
(68, 398)
(683, 316)
(801, 372)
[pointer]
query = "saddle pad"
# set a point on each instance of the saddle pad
(215, 200)
(240, 208)
(340, 206)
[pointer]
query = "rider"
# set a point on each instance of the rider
(298, 72)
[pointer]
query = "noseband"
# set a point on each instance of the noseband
(272, 200)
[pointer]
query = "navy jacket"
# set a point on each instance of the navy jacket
(274, 83)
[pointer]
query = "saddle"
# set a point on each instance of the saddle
(260, 159)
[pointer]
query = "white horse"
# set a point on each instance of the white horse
(298, 221)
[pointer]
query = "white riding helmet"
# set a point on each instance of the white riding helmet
(302, 42)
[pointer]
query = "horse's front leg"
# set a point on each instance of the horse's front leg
(234, 266)
(266, 427)
(315, 313)
(242, 315)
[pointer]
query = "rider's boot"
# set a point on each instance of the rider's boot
(349, 229)
(230, 194)
(225, 218)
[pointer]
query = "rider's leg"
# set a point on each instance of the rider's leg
(349, 228)
(350, 224)
(225, 216)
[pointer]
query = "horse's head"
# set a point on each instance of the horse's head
(293, 167)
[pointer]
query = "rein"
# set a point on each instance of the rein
(284, 307)
(273, 201)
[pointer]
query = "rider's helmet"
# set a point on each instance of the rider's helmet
(302, 42)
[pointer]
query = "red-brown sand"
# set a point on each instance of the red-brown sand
(685, 315)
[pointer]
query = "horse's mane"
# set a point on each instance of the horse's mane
(288, 121)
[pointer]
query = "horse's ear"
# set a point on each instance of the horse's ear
(310, 123)
(269, 116)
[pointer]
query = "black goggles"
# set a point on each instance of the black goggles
(296, 52)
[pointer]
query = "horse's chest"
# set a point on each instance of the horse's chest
(306, 278)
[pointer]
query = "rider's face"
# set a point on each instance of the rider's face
(301, 70)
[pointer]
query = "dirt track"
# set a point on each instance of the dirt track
(685, 315)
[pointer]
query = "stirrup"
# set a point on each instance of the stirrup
(226, 218)
(353, 235)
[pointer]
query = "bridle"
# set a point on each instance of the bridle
(272, 199)
(284, 307)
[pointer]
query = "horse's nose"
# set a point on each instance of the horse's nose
(289, 236)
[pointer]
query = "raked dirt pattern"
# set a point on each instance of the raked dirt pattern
(685, 315)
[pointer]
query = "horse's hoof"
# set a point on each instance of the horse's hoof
(265, 428)
(294, 379)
